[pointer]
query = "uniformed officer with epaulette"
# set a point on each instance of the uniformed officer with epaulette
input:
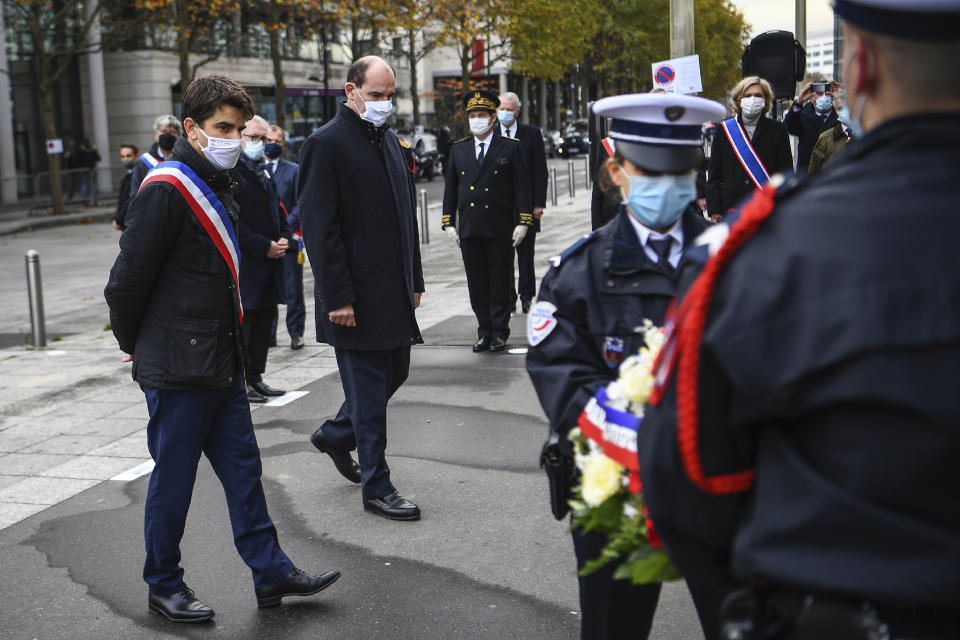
(805, 443)
(487, 210)
(592, 304)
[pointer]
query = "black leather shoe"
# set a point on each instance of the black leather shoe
(482, 344)
(498, 344)
(525, 304)
(296, 342)
(264, 390)
(344, 462)
(255, 397)
(180, 607)
(393, 506)
(295, 583)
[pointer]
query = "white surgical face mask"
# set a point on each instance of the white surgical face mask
(254, 150)
(479, 126)
(222, 153)
(377, 111)
(752, 106)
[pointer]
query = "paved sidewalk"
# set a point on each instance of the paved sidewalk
(70, 415)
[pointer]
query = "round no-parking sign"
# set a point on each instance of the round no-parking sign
(664, 75)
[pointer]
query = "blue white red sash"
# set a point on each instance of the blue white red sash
(745, 152)
(149, 160)
(209, 210)
(614, 431)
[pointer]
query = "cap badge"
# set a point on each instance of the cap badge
(674, 113)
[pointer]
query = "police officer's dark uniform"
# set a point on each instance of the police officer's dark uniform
(262, 283)
(807, 440)
(589, 316)
(357, 207)
(485, 200)
(174, 307)
(141, 168)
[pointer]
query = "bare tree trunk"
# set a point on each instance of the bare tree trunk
(183, 45)
(524, 99)
(542, 87)
(50, 130)
(280, 89)
(557, 100)
(414, 80)
(355, 38)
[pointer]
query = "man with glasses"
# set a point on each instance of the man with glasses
(264, 240)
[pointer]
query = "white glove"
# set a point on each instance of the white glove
(519, 233)
(452, 234)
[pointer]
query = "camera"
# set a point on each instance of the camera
(820, 87)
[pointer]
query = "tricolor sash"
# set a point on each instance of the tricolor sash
(745, 152)
(614, 431)
(609, 146)
(149, 160)
(209, 210)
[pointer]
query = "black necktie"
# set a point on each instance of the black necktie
(662, 249)
(480, 155)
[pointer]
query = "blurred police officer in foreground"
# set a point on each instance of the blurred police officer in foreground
(592, 303)
(486, 211)
(814, 390)
(175, 310)
(531, 141)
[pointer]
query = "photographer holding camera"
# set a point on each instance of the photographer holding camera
(811, 114)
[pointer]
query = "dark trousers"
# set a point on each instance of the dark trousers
(489, 266)
(611, 609)
(369, 379)
(526, 280)
(293, 290)
(216, 422)
(256, 339)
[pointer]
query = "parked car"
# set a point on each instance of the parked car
(574, 139)
(551, 141)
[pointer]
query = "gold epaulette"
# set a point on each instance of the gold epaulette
(462, 140)
(510, 138)
(527, 219)
(403, 143)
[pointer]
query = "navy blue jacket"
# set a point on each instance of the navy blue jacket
(807, 124)
(531, 141)
(173, 302)
(603, 287)
(358, 218)
(829, 364)
(261, 222)
(285, 179)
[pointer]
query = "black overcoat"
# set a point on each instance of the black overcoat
(261, 222)
(358, 218)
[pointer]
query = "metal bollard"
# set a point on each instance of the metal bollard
(573, 186)
(553, 186)
(586, 172)
(424, 218)
(35, 292)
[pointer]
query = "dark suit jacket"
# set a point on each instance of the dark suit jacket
(531, 140)
(727, 181)
(492, 198)
(285, 179)
(261, 222)
(807, 125)
(359, 224)
(123, 200)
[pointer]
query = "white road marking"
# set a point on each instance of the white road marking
(286, 398)
(132, 474)
(519, 351)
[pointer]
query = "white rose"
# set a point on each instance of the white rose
(601, 479)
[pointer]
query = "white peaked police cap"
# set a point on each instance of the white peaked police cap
(906, 19)
(658, 131)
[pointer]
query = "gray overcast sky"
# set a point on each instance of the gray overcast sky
(766, 15)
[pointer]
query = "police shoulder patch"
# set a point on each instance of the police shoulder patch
(541, 321)
(573, 249)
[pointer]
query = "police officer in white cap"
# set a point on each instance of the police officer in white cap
(592, 303)
(806, 438)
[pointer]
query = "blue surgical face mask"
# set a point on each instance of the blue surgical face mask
(659, 201)
(254, 150)
(507, 118)
(824, 103)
